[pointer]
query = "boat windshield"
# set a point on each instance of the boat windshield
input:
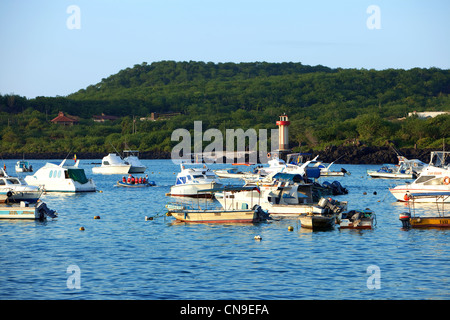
(440, 159)
(423, 179)
(12, 181)
(77, 175)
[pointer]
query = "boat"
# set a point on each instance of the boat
(23, 166)
(434, 179)
(23, 210)
(412, 221)
(356, 219)
(405, 169)
(295, 164)
(219, 215)
(135, 182)
(186, 213)
(61, 178)
(132, 157)
(191, 179)
(15, 189)
(326, 172)
(112, 164)
(281, 194)
(318, 221)
(228, 173)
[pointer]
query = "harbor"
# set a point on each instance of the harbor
(127, 247)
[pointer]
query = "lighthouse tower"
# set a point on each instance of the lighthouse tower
(283, 134)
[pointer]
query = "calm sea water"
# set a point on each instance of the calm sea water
(123, 256)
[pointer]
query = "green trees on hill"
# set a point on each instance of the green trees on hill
(326, 106)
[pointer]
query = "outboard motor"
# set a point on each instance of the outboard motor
(405, 217)
(45, 211)
(263, 215)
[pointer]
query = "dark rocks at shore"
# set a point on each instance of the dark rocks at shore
(80, 155)
(341, 155)
(370, 155)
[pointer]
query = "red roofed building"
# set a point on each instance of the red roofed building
(64, 120)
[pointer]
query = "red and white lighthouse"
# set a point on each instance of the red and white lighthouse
(283, 133)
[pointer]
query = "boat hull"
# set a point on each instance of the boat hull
(17, 196)
(387, 175)
(429, 222)
(193, 190)
(217, 216)
(136, 185)
(135, 169)
(317, 222)
(111, 170)
(25, 212)
(422, 195)
(363, 224)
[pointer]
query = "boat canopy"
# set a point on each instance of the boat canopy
(288, 177)
(78, 175)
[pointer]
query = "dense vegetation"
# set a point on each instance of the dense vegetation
(326, 107)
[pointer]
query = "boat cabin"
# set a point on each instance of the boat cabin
(4, 181)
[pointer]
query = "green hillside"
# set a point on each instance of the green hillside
(326, 106)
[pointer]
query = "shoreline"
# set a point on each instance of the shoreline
(341, 155)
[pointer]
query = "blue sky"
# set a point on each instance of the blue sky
(41, 56)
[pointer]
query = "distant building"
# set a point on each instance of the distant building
(103, 117)
(427, 114)
(161, 116)
(64, 120)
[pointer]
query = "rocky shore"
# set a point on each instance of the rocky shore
(341, 154)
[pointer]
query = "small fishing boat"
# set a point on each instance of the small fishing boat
(132, 157)
(112, 164)
(356, 219)
(318, 221)
(135, 182)
(405, 169)
(191, 179)
(15, 189)
(412, 221)
(37, 211)
(23, 166)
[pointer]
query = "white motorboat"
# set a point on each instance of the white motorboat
(283, 195)
(23, 166)
(191, 180)
(112, 164)
(293, 165)
(132, 157)
(405, 169)
(326, 172)
(434, 180)
(61, 178)
(16, 189)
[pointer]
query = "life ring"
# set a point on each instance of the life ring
(268, 155)
(446, 180)
(406, 197)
